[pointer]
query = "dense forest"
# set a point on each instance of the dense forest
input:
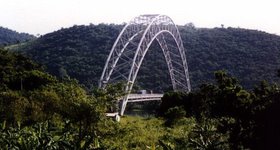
(231, 117)
(81, 51)
(8, 37)
(40, 111)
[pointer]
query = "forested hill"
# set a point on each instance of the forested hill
(8, 37)
(81, 51)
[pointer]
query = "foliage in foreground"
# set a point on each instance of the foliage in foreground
(32, 101)
(131, 133)
(248, 118)
(44, 136)
(39, 111)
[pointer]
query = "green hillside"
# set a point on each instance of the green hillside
(39, 111)
(8, 37)
(81, 51)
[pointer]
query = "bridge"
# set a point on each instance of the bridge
(130, 48)
(143, 97)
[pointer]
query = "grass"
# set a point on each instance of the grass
(135, 132)
(145, 129)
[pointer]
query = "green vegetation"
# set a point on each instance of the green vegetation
(8, 37)
(247, 118)
(38, 111)
(41, 111)
(78, 52)
(81, 51)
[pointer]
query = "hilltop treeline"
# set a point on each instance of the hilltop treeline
(8, 37)
(81, 51)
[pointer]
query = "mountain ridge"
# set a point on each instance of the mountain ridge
(9, 37)
(81, 51)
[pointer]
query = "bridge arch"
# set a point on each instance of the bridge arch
(131, 46)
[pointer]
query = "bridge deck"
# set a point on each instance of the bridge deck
(144, 97)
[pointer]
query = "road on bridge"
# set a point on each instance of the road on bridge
(144, 97)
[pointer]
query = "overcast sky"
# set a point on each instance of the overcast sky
(43, 16)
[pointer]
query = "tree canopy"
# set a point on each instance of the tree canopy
(81, 51)
(8, 37)
(248, 118)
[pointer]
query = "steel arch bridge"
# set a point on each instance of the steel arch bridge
(131, 46)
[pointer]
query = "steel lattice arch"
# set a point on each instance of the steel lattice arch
(131, 46)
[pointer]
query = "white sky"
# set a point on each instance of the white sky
(43, 16)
